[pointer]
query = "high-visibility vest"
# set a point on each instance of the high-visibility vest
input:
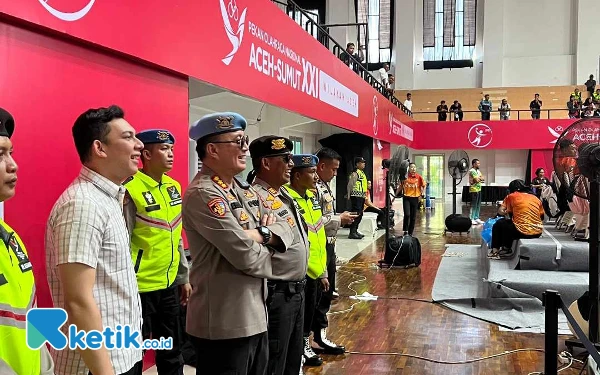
(310, 209)
(157, 232)
(17, 296)
(360, 187)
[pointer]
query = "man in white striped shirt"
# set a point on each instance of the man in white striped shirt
(90, 271)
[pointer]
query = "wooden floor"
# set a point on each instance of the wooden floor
(394, 324)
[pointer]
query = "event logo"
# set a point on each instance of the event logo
(480, 135)
(68, 16)
(391, 120)
(375, 113)
(556, 132)
(231, 13)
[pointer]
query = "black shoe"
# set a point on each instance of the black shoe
(327, 346)
(354, 236)
(360, 234)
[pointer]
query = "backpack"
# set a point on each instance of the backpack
(403, 251)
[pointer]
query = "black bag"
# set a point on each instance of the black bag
(403, 251)
(457, 223)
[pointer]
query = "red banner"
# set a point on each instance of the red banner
(381, 150)
(247, 46)
(489, 135)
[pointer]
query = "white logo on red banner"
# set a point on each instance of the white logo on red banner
(230, 12)
(68, 16)
(480, 135)
(555, 132)
(391, 120)
(375, 114)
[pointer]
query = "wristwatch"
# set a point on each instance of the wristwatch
(265, 233)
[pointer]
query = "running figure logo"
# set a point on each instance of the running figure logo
(480, 135)
(230, 12)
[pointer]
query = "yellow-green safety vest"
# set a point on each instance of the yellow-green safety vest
(157, 232)
(17, 296)
(360, 187)
(310, 209)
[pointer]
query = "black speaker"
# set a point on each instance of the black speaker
(457, 223)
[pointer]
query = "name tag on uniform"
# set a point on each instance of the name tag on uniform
(235, 205)
(283, 213)
(175, 202)
(155, 207)
(24, 263)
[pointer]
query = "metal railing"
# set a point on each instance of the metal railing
(552, 303)
(321, 34)
(475, 115)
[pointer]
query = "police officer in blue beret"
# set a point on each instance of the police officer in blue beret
(303, 182)
(272, 163)
(232, 237)
(152, 210)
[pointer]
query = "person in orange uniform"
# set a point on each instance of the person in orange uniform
(527, 214)
(412, 189)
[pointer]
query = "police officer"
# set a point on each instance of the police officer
(329, 162)
(357, 192)
(303, 179)
(231, 240)
(152, 210)
(272, 163)
(17, 285)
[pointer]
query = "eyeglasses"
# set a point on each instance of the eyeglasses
(286, 157)
(243, 141)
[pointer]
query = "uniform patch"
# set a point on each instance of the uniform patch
(248, 194)
(217, 207)
(283, 213)
(24, 263)
(243, 216)
(276, 205)
(291, 221)
(236, 205)
(230, 197)
(272, 191)
(173, 193)
(329, 207)
(149, 198)
(253, 203)
(216, 179)
(278, 144)
(270, 198)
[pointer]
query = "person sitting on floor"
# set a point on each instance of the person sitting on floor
(527, 214)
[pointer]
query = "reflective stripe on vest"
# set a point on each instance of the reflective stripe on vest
(17, 293)
(312, 215)
(157, 232)
(360, 187)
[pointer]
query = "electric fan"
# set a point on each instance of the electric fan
(396, 173)
(576, 159)
(458, 167)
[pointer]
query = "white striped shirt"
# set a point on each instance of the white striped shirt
(86, 226)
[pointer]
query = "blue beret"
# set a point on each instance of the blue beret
(270, 145)
(217, 123)
(305, 161)
(151, 136)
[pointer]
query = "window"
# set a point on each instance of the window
(297, 141)
(449, 29)
(302, 20)
(378, 15)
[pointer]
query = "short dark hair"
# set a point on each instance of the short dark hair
(92, 125)
(537, 171)
(201, 145)
(328, 154)
(474, 161)
(350, 44)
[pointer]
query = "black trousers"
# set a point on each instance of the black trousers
(239, 356)
(286, 319)
(161, 318)
(357, 205)
(410, 205)
(320, 318)
(504, 233)
(312, 294)
(135, 370)
(485, 116)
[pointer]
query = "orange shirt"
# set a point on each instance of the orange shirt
(526, 210)
(412, 185)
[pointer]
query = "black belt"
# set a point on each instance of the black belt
(292, 287)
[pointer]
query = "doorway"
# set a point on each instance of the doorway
(432, 169)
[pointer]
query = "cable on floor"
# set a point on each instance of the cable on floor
(360, 280)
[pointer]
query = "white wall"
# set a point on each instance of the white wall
(588, 48)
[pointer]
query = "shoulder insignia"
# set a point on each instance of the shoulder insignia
(270, 198)
(217, 180)
(243, 216)
(276, 205)
(217, 207)
(291, 221)
(248, 194)
(230, 197)
(128, 180)
(273, 191)
(242, 183)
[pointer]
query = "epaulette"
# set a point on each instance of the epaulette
(128, 179)
(241, 183)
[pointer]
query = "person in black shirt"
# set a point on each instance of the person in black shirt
(573, 106)
(442, 111)
(590, 85)
(358, 57)
(456, 110)
(535, 106)
(539, 181)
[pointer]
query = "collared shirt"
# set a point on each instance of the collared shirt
(331, 221)
(86, 225)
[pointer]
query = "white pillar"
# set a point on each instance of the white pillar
(406, 41)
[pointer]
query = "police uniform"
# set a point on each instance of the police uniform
(332, 223)
(152, 212)
(286, 288)
(310, 209)
(357, 191)
(17, 296)
(227, 313)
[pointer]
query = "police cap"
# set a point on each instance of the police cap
(270, 145)
(151, 136)
(217, 123)
(305, 161)
(7, 123)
